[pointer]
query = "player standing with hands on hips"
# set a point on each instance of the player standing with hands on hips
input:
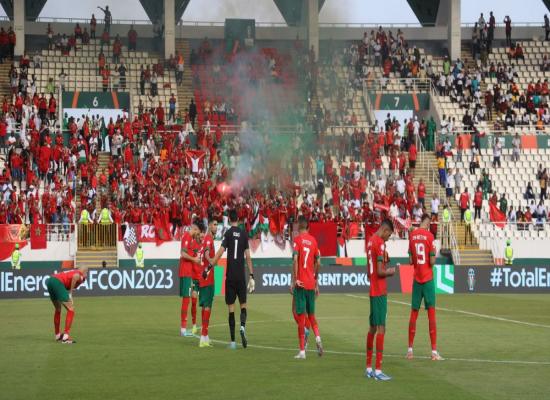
(422, 257)
(235, 241)
(377, 259)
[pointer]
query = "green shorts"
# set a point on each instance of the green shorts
(304, 300)
(206, 296)
(186, 284)
(378, 310)
(57, 290)
(196, 285)
(424, 291)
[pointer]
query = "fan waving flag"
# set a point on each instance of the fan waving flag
(497, 216)
(38, 236)
(162, 232)
(325, 234)
(130, 240)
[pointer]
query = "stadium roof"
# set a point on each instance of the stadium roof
(292, 11)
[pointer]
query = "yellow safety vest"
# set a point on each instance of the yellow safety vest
(84, 217)
(15, 256)
(446, 215)
(139, 254)
(468, 217)
(509, 252)
(105, 218)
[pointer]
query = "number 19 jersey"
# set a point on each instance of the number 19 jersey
(305, 247)
(421, 247)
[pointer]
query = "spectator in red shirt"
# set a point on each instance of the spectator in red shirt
(412, 156)
(478, 201)
(464, 203)
(78, 31)
(132, 38)
(12, 40)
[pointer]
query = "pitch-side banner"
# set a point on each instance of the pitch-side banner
(350, 279)
(100, 282)
(163, 280)
(502, 279)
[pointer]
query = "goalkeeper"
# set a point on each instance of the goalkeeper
(235, 241)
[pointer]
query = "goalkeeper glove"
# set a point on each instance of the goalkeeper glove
(251, 284)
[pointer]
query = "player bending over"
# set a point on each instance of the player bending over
(60, 287)
(305, 270)
(206, 281)
(422, 257)
(235, 241)
(190, 247)
(377, 258)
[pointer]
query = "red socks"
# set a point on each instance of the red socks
(412, 326)
(194, 310)
(379, 350)
(57, 321)
(433, 331)
(370, 345)
(314, 325)
(301, 331)
(184, 307)
(295, 316)
(205, 321)
(307, 322)
(69, 321)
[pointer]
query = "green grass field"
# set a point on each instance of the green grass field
(129, 348)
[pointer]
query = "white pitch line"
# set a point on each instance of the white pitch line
(465, 313)
(354, 353)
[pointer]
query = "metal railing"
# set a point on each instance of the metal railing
(406, 84)
(60, 232)
(94, 236)
(261, 24)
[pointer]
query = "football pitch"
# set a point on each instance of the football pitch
(496, 347)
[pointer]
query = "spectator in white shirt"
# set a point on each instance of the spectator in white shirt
(434, 204)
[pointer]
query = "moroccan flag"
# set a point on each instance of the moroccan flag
(38, 236)
(130, 240)
(162, 232)
(325, 234)
(9, 236)
(274, 223)
(497, 216)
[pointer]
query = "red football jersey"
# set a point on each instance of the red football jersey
(305, 246)
(196, 251)
(67, 276)
(192, 248)
(421, 247)
(207, 248)
(376, 247)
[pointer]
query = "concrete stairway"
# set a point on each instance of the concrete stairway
(470, 254)
(185, 90)
(5, 80)
(102, 163)
(94, 258)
